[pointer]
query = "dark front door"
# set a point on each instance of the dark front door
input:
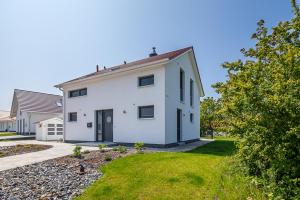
(104, 125)
(179, 118)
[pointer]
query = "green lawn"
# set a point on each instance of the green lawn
(7, 134)
(203, 173)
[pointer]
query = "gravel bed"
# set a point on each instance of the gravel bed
(58, 178)
(21, 149)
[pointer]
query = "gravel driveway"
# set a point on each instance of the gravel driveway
(58, 150)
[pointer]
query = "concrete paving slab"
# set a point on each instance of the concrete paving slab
(58, 150)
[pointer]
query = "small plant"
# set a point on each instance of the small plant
(115, 149)
(86, 151)
(122, 149)
(101, 147)
(139, 146)
(107, 158)
(77, 152)
(1, 154)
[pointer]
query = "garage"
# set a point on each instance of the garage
(49, 129)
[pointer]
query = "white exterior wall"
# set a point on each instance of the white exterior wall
(9, 126)
(120, 93)
(189, 130)
(42, 130)
(31, 118)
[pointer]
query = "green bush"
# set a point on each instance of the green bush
(260, 103)
(139, 147)
(122, 149)
(101, 147)
(115, 149)
(77, 151)
(107, 158)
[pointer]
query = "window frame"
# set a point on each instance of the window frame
(182, 85)
(79, 93)
(69, 117)
(192, 117)
(145, 117)
(145, 77)
(192, 92)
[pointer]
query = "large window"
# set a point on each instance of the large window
(76, 93)
(146, 111)
(191, 92)
(72, 116)
(146, 80)
(181, 85)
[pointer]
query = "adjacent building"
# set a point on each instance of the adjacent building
(29, 107)
(7, 123)
(154, 100)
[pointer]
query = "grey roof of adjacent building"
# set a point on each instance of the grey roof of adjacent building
(30, 101)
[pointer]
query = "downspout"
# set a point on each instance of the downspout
(29, 125)
(64, 117)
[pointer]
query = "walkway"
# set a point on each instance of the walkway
(17, 137)
(58, 150)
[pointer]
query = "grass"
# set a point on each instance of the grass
(7, 134)
(203, 173)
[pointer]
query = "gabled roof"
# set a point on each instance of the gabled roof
(166, 56)
(149, 61)
(35, 102)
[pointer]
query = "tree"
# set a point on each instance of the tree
(261, 104)
(209, 118)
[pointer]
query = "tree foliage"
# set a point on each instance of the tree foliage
(261, 104)
(209, 118)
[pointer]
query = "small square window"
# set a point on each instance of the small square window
(146, 80)
(146, 111)
(191, 117)
(73, 117)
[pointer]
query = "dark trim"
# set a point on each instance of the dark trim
(159, 145)
(145, 145)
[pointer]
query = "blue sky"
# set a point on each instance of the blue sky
(43, 43)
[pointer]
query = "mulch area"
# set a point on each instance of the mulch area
(59, 178)
(21, 149)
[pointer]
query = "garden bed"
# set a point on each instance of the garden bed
(21, 149)
(58, 178)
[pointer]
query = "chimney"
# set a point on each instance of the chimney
(97, 68)
(153, 52)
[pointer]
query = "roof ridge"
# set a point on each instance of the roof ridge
(39, 92)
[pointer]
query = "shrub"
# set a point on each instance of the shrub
(122, 149)
(1, 154)
(101, 147)
(260, 104)
(77, 152)
(139, 147)
(107, 158)
(115, 149)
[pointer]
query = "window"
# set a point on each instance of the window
(181, 85)
(59, 125)
(50, 133)
(51, 125)
(59, 129)
(146, 111)
(191, 92)
(191, 117)
(76, 93)
(146, 80)
(59, 133)
(73, 117)
(51, 129)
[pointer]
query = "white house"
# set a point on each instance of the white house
(49, 129)
(154, 100)
(7, 124)
(30, 107)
